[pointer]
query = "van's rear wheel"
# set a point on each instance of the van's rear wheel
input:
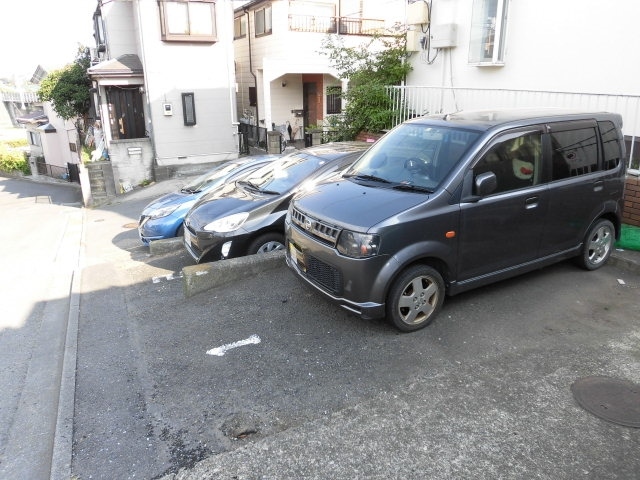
(598, 244)
(415, 298)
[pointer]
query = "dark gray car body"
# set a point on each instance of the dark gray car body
(471, 234)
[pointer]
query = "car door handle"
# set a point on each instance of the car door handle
(598, 186)
(531, 202)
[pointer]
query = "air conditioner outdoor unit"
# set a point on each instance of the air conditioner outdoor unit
(418, 13)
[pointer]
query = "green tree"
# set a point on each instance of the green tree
(369, 68)
(67, 89)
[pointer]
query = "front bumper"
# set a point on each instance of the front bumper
(352, 287)
(150, 229)
(208, 247)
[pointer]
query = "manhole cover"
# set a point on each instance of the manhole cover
(612, 399)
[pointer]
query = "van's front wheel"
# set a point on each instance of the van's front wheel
(598, 244)
(415, 298)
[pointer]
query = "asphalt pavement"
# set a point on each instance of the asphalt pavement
(480, 415)
(502, 412)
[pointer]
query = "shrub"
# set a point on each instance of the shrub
(13, 161)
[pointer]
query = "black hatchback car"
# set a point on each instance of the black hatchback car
(442, 204)
(247, 217)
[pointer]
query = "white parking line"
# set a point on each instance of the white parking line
(170, 276)
(220, 351)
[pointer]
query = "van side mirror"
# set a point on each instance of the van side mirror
(485, 183)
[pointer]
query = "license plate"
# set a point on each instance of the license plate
(297, 257)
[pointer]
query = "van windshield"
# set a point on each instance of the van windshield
(413, 154)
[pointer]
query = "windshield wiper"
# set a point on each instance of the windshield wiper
(253, 186)
(412, 188)
(373, 178)
(249, 184)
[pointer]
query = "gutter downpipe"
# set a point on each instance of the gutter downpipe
(255, 78)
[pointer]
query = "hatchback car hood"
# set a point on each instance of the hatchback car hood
(174, 198)
(236, 201)
(356, 206)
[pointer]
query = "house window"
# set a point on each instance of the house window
(34, 139)
(488, 32)
(334, 100)
(240, 27)
(98, 29)
(262, 18)
(253, 97)
(188, 21)
(126, 112)
(188, 109)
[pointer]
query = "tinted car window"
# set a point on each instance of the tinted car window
(575, 152)
(610, 145)
(285, 173)
(515, 159)
(415, 154)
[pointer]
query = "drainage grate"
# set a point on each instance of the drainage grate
(612, 399)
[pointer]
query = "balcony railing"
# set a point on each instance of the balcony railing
(19, 97)
(341, 25)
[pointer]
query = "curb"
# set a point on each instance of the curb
(627, 259)
(166, 245)
(203, 277)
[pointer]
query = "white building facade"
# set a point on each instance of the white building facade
(283, 78)
(470, 54)
(164, 85)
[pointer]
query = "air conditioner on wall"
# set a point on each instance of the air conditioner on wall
(417, 13)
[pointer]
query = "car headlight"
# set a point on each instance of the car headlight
(162, 212)
(358, 245)
(227, 224)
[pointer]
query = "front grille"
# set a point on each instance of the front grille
(324, 274)
(312, 226)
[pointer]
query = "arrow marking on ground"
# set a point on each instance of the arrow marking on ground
(220, 351)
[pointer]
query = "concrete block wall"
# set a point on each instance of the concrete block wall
(631, 208)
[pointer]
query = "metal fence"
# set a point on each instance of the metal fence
(252, 136)
(53, 171)
(414, 101)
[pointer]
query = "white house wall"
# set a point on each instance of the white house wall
(284, 55)
(56, 146)
(205, 70)
(570, 45)
(120, 31)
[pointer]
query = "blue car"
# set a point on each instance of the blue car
(163, 217)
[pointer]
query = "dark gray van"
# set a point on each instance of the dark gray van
(443, 204)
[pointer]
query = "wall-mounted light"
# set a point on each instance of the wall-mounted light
(284, 84)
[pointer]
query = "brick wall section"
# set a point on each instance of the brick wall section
(631, 208)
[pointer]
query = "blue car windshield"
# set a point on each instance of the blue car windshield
(285, 173)
(413, 155)
(211, 178)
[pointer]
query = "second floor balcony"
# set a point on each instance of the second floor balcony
(339, 25)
